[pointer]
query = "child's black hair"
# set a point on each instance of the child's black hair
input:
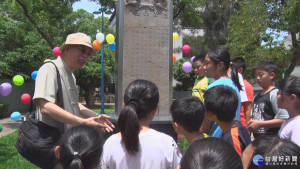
(188, 112)
(211, 153)
(141, 98)
(222, 101)
(200, 58)
(80, 147)
(239, 62)
(219, 55)
(267, 66)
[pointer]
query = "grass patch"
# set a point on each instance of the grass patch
(9, 156)
(108, 109)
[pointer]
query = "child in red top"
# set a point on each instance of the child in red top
(240, 64)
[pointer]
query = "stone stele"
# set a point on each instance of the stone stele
(144, 48)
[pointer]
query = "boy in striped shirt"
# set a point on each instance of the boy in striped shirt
(220, 103)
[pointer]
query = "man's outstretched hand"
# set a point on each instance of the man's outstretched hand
(102, 122)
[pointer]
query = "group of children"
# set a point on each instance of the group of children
(270, 110)
(215, 121)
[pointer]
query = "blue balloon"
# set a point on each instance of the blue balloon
(112, 46)
(15, 116)
(34, 74)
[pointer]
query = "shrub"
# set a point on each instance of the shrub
(3, 111)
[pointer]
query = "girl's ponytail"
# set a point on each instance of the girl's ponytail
(140, 99)
(129, 127)
(235, 77)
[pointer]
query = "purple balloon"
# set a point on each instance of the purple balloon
(6, 89)
(187, 67)
(192, 59)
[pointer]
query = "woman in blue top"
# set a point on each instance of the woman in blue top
(217, 63)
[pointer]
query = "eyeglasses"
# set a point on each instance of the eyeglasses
(85, 51)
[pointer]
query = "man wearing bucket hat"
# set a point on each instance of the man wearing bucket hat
(75, 53)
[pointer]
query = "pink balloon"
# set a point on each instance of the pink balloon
(186, 49)
(56, 51)
(187, 67)
(6, 89)
(25, 98)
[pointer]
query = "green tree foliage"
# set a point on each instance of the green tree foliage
(30, 29)
(21, 49)
(197, 44)
(216, 16)
(187, 13)
(250, 39)
(186, 79)
(213, 17)
(109, 4)
(45, 18)
(285, 16)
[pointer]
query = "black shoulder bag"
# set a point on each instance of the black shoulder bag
(37, 140)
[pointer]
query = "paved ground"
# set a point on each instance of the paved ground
(9, 126)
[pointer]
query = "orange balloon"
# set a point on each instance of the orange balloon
(96, 45)
(174, 58)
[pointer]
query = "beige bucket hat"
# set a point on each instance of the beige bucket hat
(78, 39)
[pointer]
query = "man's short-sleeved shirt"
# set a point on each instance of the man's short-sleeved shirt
(46, 88)
(265, 108)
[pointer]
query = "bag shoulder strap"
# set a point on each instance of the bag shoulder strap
(59, 93)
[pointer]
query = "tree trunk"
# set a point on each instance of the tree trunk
(42, 33)
(89, 97)
(296, 58)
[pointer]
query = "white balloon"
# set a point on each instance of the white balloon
(100, 37)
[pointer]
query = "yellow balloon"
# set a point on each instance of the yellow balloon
(110, 39)
(175, 36)
(47, 60)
